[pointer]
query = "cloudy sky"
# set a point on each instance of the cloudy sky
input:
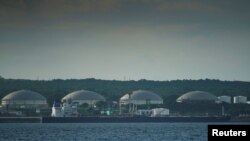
(125, 39)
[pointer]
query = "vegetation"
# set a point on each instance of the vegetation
(112, 90)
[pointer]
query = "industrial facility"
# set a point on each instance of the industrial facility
(141, 97)
(24, 99)
(155, 112)
(138, 102)
(197, 96)
(240, 99)
(225, 99)
(138, 98)
(83, 96)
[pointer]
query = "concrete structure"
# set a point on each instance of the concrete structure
(24, 99)
(83, 96)
(141, 97)
(226, 99)
(197, 96)
(159, 112)
(240, 99)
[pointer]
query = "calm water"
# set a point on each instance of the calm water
(104, 132)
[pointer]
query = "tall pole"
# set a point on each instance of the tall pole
(120, 108)
(222, 110)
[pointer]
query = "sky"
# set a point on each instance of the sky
(125, 39)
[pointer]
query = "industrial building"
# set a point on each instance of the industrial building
(224, 98)
(197, 96)
(240, 99)
(137, 98)
(83, 96)
(24, 99)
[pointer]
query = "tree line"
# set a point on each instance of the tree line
(112, 90)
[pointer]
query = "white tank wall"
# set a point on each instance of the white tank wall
(23, 102)
(226, 99)
(141, 102)
(89, 102)
(124, 102)
(240, 99)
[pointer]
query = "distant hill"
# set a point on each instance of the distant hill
(113, 89)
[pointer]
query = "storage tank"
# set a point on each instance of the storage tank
(83, 96)
(197, 96)
(226, 99)
(240, 99)
(24, 99)
(141, 97)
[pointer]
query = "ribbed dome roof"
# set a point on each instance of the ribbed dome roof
(24, 95)
(142, 95)
(83, 95)
(197, 96)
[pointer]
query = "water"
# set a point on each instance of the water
(103, 132)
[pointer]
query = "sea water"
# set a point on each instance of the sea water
(103, 132)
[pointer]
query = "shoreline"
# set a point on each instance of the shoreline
(119, 119)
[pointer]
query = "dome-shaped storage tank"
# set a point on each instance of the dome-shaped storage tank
(141, 97)
(197, 96)
(24, 98)
(83, 96)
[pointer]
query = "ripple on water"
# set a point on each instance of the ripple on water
(104, 132)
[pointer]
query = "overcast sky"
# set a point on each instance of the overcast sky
(125, 39)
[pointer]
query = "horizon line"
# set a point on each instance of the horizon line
(143, 79)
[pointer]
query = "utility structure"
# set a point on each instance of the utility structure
(137, 98)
